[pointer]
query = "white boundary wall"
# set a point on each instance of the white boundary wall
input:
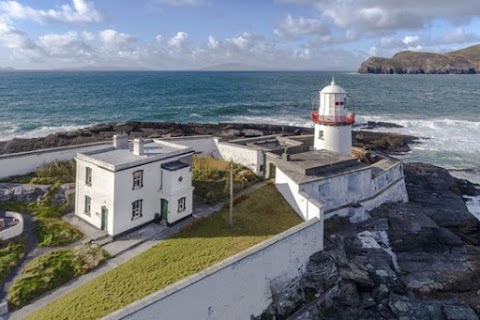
(14, 231)
(237, 287)
(25, 162)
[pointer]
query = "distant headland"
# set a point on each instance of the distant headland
(464, 61)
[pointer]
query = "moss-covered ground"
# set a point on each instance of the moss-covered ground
(11, 251)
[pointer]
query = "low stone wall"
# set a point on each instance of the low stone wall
(25, 162)
(237, 287)
(14, 231)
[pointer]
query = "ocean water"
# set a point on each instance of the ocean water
(444, 110)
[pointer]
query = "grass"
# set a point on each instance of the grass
(52, 270)
(52, 232)
(11, 251)
(210, 178)
(59, 171)
(208, 241)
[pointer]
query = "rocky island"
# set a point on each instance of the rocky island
(464, 61)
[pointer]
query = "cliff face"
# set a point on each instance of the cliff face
(462, 61)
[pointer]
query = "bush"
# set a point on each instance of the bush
(11, 251)
(59, 171)
(52, 270)
(52, 232)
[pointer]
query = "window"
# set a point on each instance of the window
(320, 134)
(137, 179)
(137, 209)
(88, 205)
(161, 179)
(182, 204)
(88, 176)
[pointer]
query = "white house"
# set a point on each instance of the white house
(126, 186)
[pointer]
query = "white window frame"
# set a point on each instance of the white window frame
(182, 204)
(88, 206)
(88, 176)
(137, 179)
(137, 209)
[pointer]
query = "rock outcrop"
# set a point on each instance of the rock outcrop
(419, 260)
(462, 61)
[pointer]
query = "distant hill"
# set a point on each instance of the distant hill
(461, 61)
(234, 67)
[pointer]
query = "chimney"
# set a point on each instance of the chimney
(138, 146)
(120, 141)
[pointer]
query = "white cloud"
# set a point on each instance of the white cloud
(179, 41)
(69, 46)
(294, 28)
(408, 40)
(82, 11)
(116, 41)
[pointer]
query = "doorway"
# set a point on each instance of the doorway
(104, 218)
(163, 210)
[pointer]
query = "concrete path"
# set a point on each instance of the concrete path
(124, 249)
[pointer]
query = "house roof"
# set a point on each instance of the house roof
(118, 159)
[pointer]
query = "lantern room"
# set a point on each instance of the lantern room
(332, 111)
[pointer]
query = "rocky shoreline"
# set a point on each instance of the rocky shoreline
(418, 260)
(385, 142)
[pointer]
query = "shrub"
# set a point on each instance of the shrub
(59, 171)
(53, 232)
(11, 251)
(52, 270)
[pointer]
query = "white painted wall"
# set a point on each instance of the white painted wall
(14, 231)
(205, 145)
(333, 138)
(235, 288)
(26, 162)
(249, 157)
(101, 193)
(174, 189)
(114, 190)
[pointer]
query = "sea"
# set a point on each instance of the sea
(442, 110)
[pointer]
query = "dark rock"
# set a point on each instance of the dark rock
(459, 313)
(408, 308)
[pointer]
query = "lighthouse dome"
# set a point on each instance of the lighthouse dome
(333, 88)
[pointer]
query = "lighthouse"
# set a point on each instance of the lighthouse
(333, 123)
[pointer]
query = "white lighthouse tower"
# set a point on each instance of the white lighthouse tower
(333, 124)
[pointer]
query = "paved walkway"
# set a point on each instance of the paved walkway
(124, 249)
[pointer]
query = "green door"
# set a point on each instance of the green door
(104, 218)
(164, 207)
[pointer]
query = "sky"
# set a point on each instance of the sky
(194, 34)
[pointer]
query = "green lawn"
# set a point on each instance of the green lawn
(262, 215)
(53, 232)
(11, 251)
(51, 270)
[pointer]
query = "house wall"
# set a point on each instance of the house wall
(174, 189)
(101, 193)
(125, 195)
(237, 287)
(26, 162)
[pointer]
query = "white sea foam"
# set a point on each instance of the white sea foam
(9, 130)
(450, 143)
(473, 205)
